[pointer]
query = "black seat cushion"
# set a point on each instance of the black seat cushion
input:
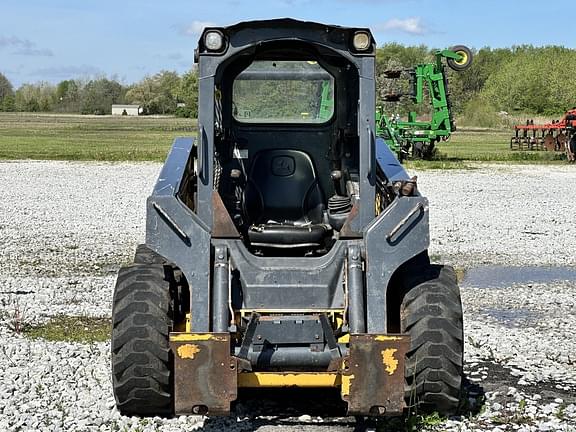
(283, 200)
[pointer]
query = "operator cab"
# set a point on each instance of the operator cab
(287, 145)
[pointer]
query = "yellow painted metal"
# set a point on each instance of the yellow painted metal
(346, 383)
(191, 337)
(384, 338)
(290, 311)
(289, 379)
(339, 322)
(389, 360)
(464, 58)
(183, 325)
(188, 351)
(188, 320)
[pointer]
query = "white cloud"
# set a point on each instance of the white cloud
(195, 28)
(66, 72)
(24, 47)
(35, 52)
(13, 41)
(412, 25)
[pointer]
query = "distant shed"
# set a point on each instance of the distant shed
(130, 110)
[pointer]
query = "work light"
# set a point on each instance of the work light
(361, 41)
(214, 40)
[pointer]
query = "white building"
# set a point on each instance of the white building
(130, 110)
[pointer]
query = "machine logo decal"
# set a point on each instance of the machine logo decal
(389, 361)
(188, 351)
(283, 166)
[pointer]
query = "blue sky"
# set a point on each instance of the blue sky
(128, 39)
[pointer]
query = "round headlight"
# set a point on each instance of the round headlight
(214, 40)
(361, 41)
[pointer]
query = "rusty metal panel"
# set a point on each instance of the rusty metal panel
(373, 374)
(222, 225)
(205, 375)
(347, 231)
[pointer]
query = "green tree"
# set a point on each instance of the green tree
(99, 95)
(6, 94)
(188, 93)
(464, 86)
(158, 94)
(534, 80)
(394, 56)
(26, 98)
(68, 96)
(35, 97)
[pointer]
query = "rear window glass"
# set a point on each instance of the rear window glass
(283, 92)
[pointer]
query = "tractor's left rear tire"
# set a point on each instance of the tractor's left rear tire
(431, 314)
(141, 359)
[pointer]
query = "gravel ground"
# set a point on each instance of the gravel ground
(512, 215)
(61, 241)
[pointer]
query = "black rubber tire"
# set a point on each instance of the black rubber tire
(145, 255)
(141, 322)
(572, 147)
(431, 313)
(460, 66)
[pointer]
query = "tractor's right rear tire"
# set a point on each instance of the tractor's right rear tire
(141, 360)
(431, 314)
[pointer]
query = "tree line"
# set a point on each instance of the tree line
(163, 93)
(520, 79)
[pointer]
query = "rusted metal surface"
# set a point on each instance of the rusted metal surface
(373, 374)
(550, 142)
(346, 230)
(205, 376)
(548, 136)
(222, 225)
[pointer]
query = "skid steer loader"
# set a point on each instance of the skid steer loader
(285, 246)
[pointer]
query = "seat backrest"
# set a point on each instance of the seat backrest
(282, 186)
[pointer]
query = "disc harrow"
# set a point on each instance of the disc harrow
(554, 136)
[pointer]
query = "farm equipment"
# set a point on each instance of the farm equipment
(413, 138)
(571, 145)
(557, 136)
(287, 246)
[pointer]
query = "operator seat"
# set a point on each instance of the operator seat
(283, 201)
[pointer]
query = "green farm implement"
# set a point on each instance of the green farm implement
(413, 138)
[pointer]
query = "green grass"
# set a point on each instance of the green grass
(489, 145)
(440, 164)
(72, 329)
(74, 137)
(106, 138)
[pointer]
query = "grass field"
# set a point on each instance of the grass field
(75, 137)
(489, 145)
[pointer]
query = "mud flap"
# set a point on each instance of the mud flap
(205, 376)
(373, 374)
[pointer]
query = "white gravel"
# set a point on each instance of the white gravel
(502, 214)
(66, 218)
(66, 227)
